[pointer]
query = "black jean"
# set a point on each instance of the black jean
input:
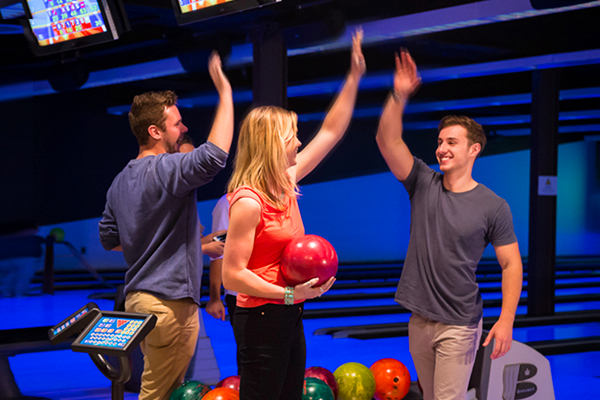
(230, 301)
(271, 351)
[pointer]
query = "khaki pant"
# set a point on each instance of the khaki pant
(443, 356)
(169, 347)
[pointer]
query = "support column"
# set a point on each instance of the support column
(48, 285)
(269, 82)
(542, 193)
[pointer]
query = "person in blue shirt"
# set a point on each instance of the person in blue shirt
(151, 216)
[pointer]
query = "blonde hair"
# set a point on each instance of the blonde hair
(261, 160)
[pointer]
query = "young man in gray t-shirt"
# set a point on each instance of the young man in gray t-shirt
(453, 219)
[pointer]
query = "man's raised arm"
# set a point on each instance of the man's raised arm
(221, 133)
(389, 133)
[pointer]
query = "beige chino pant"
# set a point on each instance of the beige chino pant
(443, 356)
(169, 347)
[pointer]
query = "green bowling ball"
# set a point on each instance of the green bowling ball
(355, 382)
(316, 389)
(190, 390)
(58, 233)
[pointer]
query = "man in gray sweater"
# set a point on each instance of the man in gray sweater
(151, 215)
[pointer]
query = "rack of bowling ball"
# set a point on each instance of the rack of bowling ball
(386, 379)
(521, 373)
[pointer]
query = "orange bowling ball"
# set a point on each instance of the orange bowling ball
(222, 393)
(392, 379)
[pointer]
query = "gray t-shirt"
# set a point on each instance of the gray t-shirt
(151, 212)
(448, 234)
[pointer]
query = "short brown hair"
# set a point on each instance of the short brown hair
(475, 132)
(148, 109)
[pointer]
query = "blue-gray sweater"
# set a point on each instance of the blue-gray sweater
(151, 212)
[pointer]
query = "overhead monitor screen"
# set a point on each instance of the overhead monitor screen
(189, 11)
(193, 5)
(56, 21)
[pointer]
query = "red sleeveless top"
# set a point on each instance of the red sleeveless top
(274, 231)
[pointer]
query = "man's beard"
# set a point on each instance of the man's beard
(171, 147)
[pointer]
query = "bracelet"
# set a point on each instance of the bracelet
(398, 97)
(288, 296)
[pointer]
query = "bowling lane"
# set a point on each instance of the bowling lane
(45, 310)
(321, 305)
(68, 376)
(63, 375)
(558, 292)
(354, 321)
(566, 280)
(525, 334)
(387, 289)
(389, 301)
(576, 376)
(559, 307)
(556, 332)
(579, 306)
(344, 286)
(560, 278)
(577, 291)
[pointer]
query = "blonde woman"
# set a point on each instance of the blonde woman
(264, 218)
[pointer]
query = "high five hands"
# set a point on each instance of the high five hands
(357, 64)
(215, 69)
(406, 78)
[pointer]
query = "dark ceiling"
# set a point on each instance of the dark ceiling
(475, 58)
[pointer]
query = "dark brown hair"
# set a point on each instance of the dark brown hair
(475, 132)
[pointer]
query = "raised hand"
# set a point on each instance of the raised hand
(406, 78)
(215, 69)
(357, 64)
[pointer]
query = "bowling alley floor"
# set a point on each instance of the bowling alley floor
(67, 375)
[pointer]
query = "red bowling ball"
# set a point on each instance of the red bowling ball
(307, 257)
(231, 382)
